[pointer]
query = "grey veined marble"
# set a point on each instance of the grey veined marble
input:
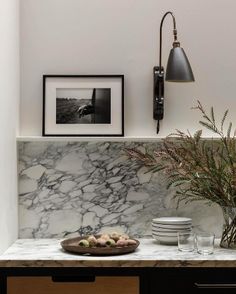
(66, 188)
(48, 253)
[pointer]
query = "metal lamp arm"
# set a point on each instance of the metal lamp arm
(158, 98)
(174, 32)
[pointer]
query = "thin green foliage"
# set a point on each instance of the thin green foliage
(198, 169)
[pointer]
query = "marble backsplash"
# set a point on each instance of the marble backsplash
(66, 188)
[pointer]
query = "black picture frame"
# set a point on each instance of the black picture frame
(117, 92)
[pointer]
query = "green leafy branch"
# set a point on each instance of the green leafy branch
(198, 169)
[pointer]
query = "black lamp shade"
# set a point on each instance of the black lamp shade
(178, 67)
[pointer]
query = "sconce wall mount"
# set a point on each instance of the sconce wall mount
(178, 70)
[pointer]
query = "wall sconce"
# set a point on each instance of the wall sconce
(178, 70)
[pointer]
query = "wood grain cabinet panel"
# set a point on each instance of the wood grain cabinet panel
(101, 285)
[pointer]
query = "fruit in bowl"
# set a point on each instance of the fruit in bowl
(107, 240)
(101, 244)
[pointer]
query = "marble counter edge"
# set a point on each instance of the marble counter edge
(120, 264)
(48, 253)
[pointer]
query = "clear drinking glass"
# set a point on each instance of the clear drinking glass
(205, 243)
(186, 241)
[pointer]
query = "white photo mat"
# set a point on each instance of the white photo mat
(51, 84)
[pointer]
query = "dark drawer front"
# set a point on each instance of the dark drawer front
(218, 288)
(218, 281)
(71, 285)
(193, 280)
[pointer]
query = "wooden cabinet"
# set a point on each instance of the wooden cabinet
(101, 285)
(132, 281)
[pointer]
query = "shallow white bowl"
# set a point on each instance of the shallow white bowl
(172, 220)
(166, 240)
(172, 227)
(173, 234)
(168, 234)
(171, 230)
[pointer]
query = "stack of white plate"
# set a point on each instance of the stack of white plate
(165, 229)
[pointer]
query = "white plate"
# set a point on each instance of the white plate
(165, 235)
(168, 234)
(172, 220)
(156, 228)
(166, 240)
(172, 227)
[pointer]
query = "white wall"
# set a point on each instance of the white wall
(9, 107)
(121, 36)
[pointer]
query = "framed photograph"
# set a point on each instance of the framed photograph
(83, 105)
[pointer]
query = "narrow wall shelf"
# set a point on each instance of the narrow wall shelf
(95, 139)
(84, 139)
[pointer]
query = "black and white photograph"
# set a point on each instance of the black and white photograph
(83, 106)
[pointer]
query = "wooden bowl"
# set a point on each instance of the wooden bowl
(71, 245)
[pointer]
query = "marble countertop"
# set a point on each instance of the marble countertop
(48, 253)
